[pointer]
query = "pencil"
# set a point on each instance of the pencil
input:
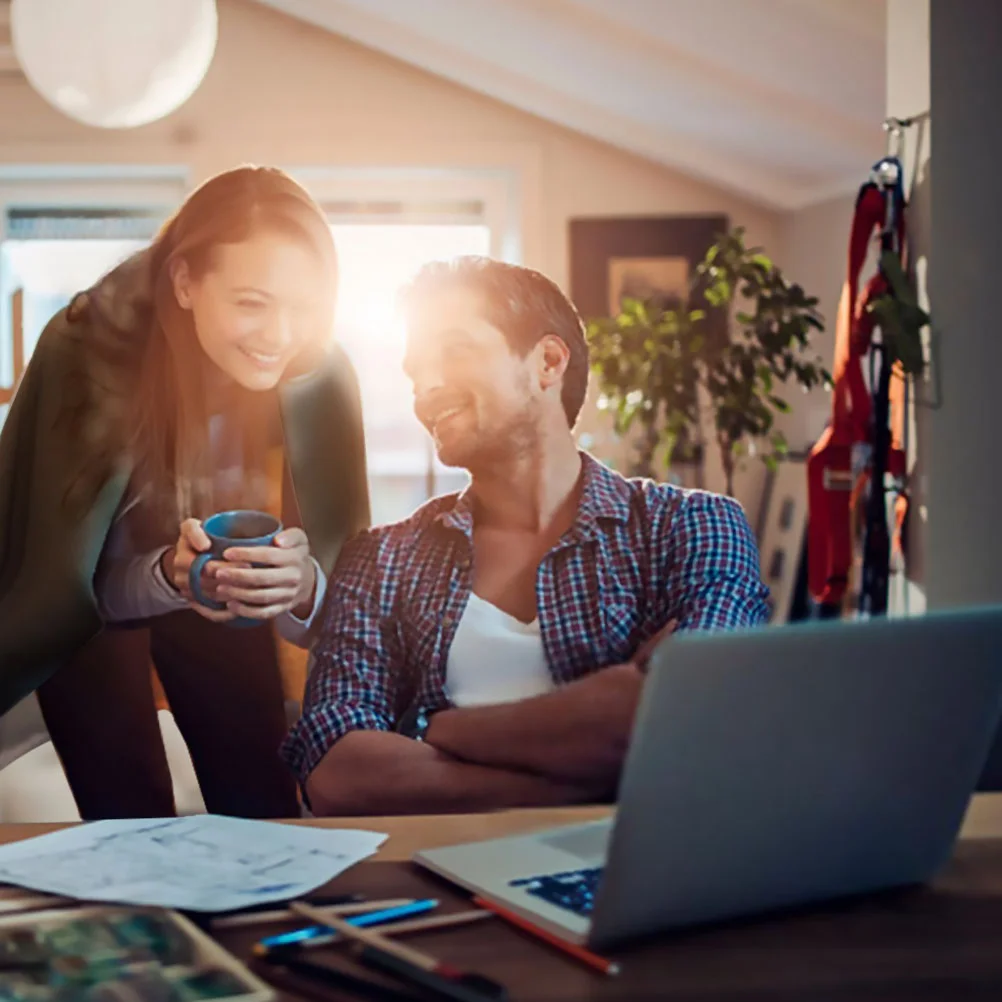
(402, 927)
(34, 902)
(326, 978)
(408, 926)
(608, 967)
(367, 937)
(321, 935)
(285, 915)
(413, 966)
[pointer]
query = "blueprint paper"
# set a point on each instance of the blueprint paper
(204, 863)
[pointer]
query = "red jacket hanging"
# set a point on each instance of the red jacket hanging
(832, 480)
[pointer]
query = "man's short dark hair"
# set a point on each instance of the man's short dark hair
(521, 303)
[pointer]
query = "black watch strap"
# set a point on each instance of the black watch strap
(414, 723)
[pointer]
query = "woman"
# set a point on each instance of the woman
(160, 396)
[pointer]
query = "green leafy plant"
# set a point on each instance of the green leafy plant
(658, 365)
(900, 317)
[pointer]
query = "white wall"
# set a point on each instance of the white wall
(908, 95)
(941, 68)
(282, 92)
(963, 563)
(813, 248)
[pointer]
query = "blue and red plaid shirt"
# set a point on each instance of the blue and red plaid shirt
(639, 554)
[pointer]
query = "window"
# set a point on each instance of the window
(59, 232)
(386, 225)
(376, 259)
(62, 230)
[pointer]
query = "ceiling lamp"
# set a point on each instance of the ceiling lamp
(114, 63)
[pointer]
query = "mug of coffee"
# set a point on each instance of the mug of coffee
(226, 529)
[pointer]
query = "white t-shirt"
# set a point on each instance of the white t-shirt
(495, 658)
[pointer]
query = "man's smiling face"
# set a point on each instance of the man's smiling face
(472, 391)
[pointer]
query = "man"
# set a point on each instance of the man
(488, 651)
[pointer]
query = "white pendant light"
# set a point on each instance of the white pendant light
(114, 63)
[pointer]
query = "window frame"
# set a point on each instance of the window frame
(61, 186)
(87, 186)
(498, 189)
(76, 186)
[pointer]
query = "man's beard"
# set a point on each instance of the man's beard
(502, 446)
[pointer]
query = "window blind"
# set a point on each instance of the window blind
(83, 223)
(471, 212)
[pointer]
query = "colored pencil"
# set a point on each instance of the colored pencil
(367, 937)
(404, 927)
(414, 966)
(285, 915)
(321, 935)
(409, 926)
(608, 967)
(324, 979)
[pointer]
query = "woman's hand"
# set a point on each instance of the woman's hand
(287, 582)
(177, 562)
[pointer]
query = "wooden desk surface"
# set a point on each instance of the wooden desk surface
(939, 942)
(407, 834)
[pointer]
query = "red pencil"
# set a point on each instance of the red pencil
(608, 967)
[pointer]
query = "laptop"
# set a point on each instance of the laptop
(767, 769)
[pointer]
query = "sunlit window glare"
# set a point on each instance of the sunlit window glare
(375, 260)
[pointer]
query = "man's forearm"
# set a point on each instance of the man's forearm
(379, 773)
(580, 733)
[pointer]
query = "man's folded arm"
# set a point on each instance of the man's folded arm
(711, 567)
(343, 748)
(383, 773)
(578, 734)
(708, 561)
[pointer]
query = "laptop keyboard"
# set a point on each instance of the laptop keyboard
(573, 890)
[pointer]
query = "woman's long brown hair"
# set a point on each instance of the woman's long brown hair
(169, 404)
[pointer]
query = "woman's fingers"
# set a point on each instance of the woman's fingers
(270, 556)
(258, 577)
(258, 597)
(257, 611)
(194, 535)
(290, 539)
(255, 582)
(208, 580)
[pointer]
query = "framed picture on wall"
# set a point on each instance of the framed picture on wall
(654, 259)
(640, 257)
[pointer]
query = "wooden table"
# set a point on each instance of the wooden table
(941, 942)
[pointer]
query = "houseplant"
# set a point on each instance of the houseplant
(660, 370)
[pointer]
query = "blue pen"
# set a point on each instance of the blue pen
(317, 934)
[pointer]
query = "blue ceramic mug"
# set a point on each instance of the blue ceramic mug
(225, 530)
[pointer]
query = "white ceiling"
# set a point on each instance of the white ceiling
(780, 101)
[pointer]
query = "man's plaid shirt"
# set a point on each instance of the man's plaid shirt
(639, 554)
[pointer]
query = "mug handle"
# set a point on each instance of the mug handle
(195, 582)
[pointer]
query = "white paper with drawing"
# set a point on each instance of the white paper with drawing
(202, 863)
